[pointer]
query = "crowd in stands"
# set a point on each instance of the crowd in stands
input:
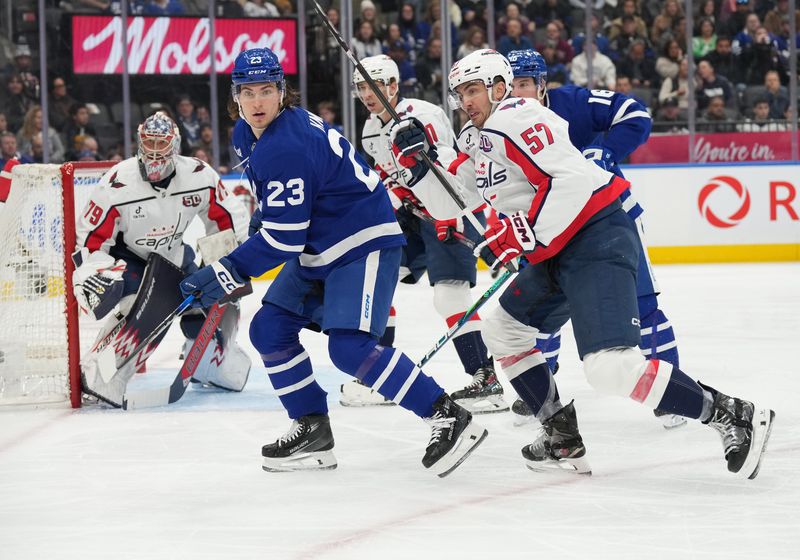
(740, 51)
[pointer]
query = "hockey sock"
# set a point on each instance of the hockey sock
(292, 378)
(388, 335)
(682, 395)
(537, 388)
(469, 344)
(658, 338)
(550, 346)
(386, 370)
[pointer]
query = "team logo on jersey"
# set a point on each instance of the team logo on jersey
(114, 183)
(517, 103)
(238, 151)
(486, 145)
(200, 165)
(191, 200)
(736, 208)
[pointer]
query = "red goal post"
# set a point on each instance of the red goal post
(40, 327)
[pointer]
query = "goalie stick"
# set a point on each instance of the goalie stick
(487, 295)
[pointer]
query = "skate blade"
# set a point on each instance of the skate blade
(577, 465)
(313, 461)
(361, 404)
(762, 428)
(672, 421)
(484, 405)
(470, 438)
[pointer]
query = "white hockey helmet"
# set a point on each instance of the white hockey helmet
(158, 141)
(380, 68)
(485, 65)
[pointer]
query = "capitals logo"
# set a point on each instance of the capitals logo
(738, 208)
(485, 144)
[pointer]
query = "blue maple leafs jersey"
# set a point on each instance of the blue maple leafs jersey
(319, 200)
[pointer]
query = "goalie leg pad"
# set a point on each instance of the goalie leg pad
(224, 363)
(157, 296)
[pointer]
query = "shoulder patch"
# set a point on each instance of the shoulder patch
(113, 183)
(517, 103)
(200, 166)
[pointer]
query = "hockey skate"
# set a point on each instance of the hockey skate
(559, 445)
(522, 413)
(668, 420)
(355, 393)
(744, 431)
(453, 436)
(484, 395)
(307, 446)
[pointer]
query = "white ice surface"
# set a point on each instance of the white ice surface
(185, 481)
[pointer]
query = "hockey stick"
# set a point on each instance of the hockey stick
(173, 393)
(395, 117)
(417, 211)
(487, 295)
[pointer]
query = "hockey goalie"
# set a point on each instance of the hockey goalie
(130, 258)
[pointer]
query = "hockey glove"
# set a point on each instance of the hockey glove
(97, 282)
(255, 223)
(409, 140)
(446, 230)
(506, 240)
(211, 283)
(602, 157)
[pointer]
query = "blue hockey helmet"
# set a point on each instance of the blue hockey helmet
(256, 66)
(528, 63)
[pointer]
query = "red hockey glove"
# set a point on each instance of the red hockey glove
(506, 240)
(446, 229)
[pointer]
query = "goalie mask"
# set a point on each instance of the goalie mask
(158, 142)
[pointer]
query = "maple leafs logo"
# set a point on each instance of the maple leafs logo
(114, 183)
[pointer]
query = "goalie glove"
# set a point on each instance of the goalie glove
(506, 240)
(211, 283)
(409, 140)
(97, 282)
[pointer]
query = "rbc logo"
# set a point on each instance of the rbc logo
(729, 184)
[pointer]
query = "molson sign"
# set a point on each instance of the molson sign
(161, 45)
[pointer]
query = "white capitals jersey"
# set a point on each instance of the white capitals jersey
(524, 161)
(125, 208)
(375, 140)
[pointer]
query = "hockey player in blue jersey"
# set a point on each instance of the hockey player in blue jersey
(327, 217)
(607, 127)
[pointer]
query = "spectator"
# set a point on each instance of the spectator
(710, 85)
(370, 13)
(737, 20)
(715, 118)
(543, 13)
(327, 111)
(60, 103)
(553, 38)
(203, 114)
(394, 36)
(623, 86)
(163, 8)
(206, 138)
(114, 154)
(513, 40)
(708, 10)
(22, 67)
(78, 126)
(677, 88)
(670, 119)
(8, 149)
(33, 125)
(200, 153)
(258, 8)
(36, 149)
(474, 41)
(188, 123)
(628, 35)
(429, 69)
(409, 28)
(663, 24)
(744, 37)
(604, 75)
(474, 16)
(601, 42)
(628, 9)
(408, 77)
(17, 103)
(776, 95)
(706, 41)
(724, 61)
(640, 67)
(513, 12)
(3, 125)
(775, 18)
(89, 150)
(761, 121)
(670, 60)
(557, 72)
(365, 43)
(285, 7)
(761, 56)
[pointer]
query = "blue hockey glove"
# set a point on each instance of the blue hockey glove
(409, 140)
(602, 157)
(211, 283)
(255, 223)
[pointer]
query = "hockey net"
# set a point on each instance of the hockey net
(39, 323)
